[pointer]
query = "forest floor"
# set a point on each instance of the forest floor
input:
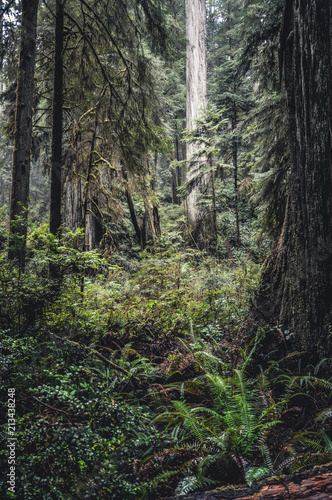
(148, 377)
(315, 484)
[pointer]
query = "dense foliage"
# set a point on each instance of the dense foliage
(131, 383)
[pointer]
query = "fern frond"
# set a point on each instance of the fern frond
(324, 414)
(328, 442)
(248, 359)
(267, 457)
(312, 440)
(256, 473)
(194, 425)
(191, 483)
(286, 463)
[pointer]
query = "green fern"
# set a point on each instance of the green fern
(254, 474)
(328, 442)
(236, 428)
(191, 483)
(195, 426)
(324, 414)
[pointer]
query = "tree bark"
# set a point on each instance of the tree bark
(315, 483)
(176, 173)
(237, 221)
(138, 231)
(73, 200)
(297, 281)
(151, 224)
(87, 210)
(56, 161)
(23, 133)
(196, 97)
(214, 211)
(93, 226)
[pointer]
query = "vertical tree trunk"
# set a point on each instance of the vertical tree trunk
(156, 221)
(297, 282)
(138, 231)
(151, 224)
(196, 95)
(73, 202)
(134, 220)
(23, 133)
(154, 215)
(56, 161)
(234, 125)
(176, 173)
(235, 165)
(174, 180)
(93, 227)
(214, 208)
(174, 187)
(237, 222)
(87, 224)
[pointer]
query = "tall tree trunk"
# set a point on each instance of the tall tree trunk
(234, 125)
(156, 221)
(235, 165)
(56, 161)
(176, 173)
(154, 215)
(237, 221)
(87, 224)
(214, 209)
(175, 196)
(151, 224)
(93, 228)
(73, 201)
(138, 230)
(23, 133)
(196, 96)
(297, 282)
(174, 187)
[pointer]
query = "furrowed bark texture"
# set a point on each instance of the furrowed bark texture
(55, 204)
(73, 200)
(298, 276)
(23, 132)
(93, 227)
(196, 95)
(179, 155)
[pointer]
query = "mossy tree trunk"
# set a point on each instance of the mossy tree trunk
(23, 133)
(297, 281)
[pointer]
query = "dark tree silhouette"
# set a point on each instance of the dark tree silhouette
(297, 281)
(23, 132)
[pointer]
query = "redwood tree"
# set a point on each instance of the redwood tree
(57, 128)
(23, 132)
(297, 281)
(196, 79)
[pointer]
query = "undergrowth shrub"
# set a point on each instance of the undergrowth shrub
(141, 380)
(232, 438)
(76, 436)
(34, 298)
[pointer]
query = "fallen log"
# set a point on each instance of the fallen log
(314, 484)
